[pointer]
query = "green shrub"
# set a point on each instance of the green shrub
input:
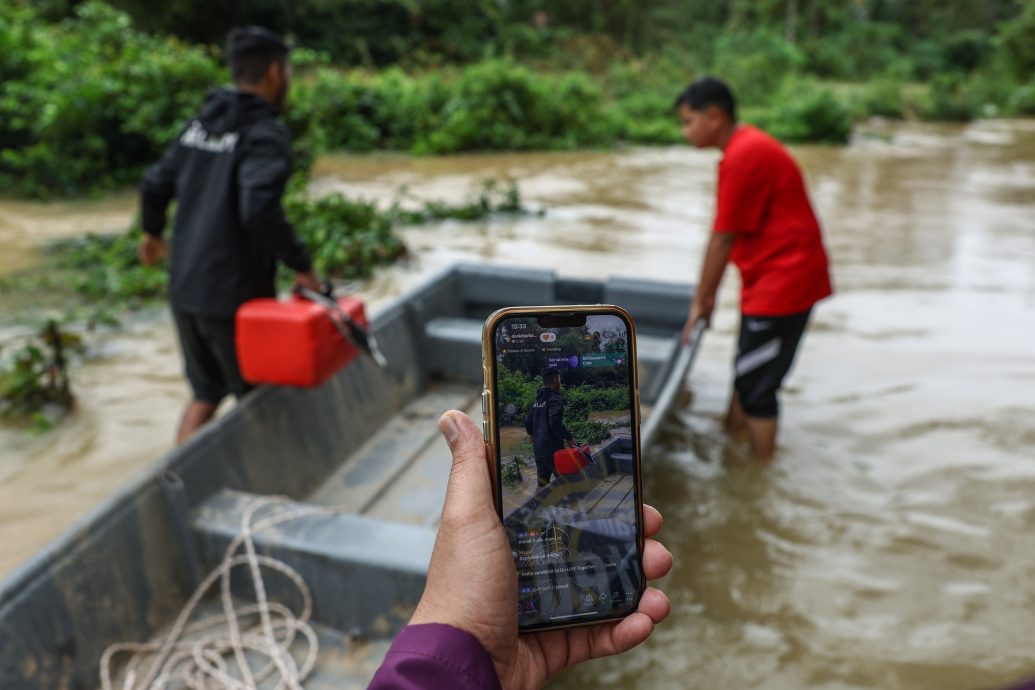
(1023, 99)
(89, 102)
(34, 376)
(948, 99)
(966, 50)
(648, 117)
(498, 105)
(803, 112)
(107, 268)
(882, 98)
(756, 64)
(362, 112)
(856, 51)
(348, 239)
(517, 389)
(1017, 40)
(587, 431)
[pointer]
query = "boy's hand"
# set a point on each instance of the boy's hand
(700, 309)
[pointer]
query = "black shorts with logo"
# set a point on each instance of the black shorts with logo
(209, 356)
(765, 353)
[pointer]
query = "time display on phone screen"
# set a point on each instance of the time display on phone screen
(566, 450)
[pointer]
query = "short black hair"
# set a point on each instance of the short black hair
(708, 91)
(551, 374)
(250, 51)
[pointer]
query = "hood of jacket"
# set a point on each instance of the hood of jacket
(228, 110)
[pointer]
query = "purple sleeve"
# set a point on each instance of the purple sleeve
(1030, 685)
(433, 656)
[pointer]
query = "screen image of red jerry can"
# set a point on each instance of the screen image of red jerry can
(294, 342)
(571, 460)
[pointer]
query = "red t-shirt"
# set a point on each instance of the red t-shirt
(779, 249)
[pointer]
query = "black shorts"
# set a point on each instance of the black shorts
(765, 353)
(209, 356)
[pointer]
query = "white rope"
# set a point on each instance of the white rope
(244, 648)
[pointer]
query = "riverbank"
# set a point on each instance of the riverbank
(546, 91)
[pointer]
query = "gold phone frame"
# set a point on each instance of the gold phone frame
(490, 431)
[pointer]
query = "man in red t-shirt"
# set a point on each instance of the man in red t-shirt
(764, 223)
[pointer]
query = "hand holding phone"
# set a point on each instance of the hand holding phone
(472, 583)
(572, 511)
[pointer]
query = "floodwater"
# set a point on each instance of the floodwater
(892, 542)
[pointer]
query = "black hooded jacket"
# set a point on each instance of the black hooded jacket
(227, 171)
(545, 423)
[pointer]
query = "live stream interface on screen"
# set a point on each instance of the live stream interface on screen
(566, 458)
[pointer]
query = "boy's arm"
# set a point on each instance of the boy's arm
(715, 259)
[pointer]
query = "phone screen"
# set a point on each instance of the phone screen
(567, 463)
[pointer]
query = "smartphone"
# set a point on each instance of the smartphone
(561, 418)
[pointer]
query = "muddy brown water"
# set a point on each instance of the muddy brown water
(891, 544)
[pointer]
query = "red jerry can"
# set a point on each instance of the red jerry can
(294, 342)
(571, 460)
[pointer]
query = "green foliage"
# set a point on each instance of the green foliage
(359, 32)
(755, 64)
(87, 99)
(86, 103)
(498, 105)
(363, 112)
(1017, 38)
(518, 389)
(883, 98)
(34, 377)
(648, 117)
(107, 268)
(966, 50)
(1023, 99)
(948, 99)
(348, 239)
(803, 112)
(588, 431)
(858, 50)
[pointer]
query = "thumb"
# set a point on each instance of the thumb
(470, 488)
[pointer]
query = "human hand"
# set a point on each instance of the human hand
(309, 281)
(700, 309)
(152, 249)
(472, 581)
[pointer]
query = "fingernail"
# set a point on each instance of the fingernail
(448, 428)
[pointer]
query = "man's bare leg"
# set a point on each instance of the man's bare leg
(762, 435)
(197, 415)
(736, 418)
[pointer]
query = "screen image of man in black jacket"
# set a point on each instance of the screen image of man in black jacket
(545, 424)
(227, 171)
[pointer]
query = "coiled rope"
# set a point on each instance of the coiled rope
(217, 652)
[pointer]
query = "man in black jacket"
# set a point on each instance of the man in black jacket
(545, 424)
(227, 171)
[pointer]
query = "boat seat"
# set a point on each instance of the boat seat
(455, 345)
(622, 462)
(365, 571)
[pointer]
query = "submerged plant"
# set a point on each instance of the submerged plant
(34, 378)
